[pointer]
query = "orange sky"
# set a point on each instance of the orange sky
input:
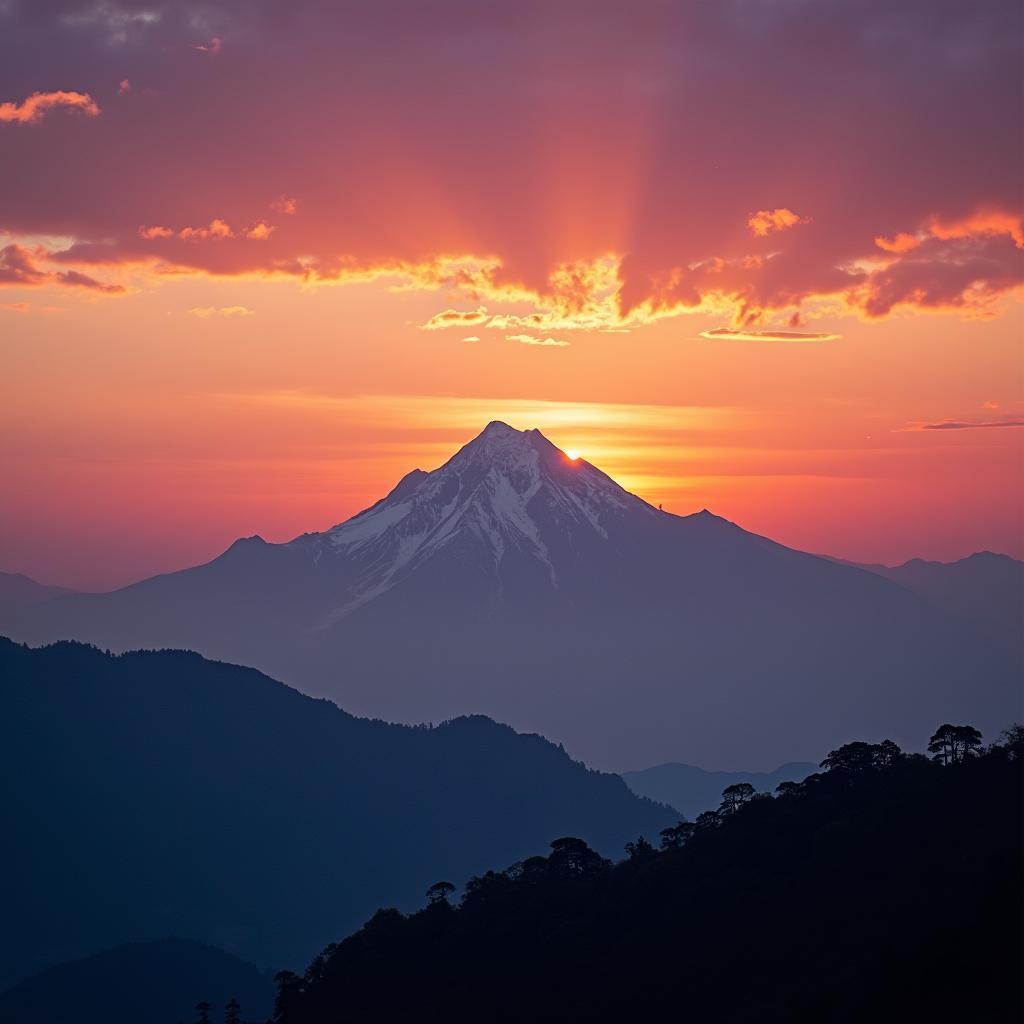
(139, 437)
(742, 256)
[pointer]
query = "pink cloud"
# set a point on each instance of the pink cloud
(593, 236)
(213, 47)
(766, 221)
(39, 104)
(260, 232)
(287, 205)
(216, 229)
(19, 267)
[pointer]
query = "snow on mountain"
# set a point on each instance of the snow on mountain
(509, 491)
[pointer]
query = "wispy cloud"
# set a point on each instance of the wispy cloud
(206, 312)
(455, 318)
(744, 335)
(965, 425)
(212, 48)
(528, 339)
(287, 205)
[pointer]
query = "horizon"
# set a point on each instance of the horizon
(196, 556)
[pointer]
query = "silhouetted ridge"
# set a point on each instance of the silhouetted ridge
(885, 888)
(161, 793)
(155, 982)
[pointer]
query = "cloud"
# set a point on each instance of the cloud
(213, 47)
(287, 205)
(527, 339)
(20, 267)
(17, 307)
(966, 272)
(455, 318)
(964, 425)
(593, 238)
(742, 335)
(216, 229)
(124, 87)
(471, 337)
(39, 104)
(766, 221)
(206, 312)
(156, 231)
(902, 243)
(260, 232)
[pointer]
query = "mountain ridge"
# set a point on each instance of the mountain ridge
(212, 802)
(516, 582)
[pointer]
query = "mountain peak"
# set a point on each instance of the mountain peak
(507, 496)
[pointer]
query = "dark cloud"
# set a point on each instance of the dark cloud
(650, 130)
(20, 267)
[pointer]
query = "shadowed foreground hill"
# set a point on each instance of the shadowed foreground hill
(887, 889)
(157, 793)
(142, 983)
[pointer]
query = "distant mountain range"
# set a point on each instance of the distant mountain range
(984, 587)
(692, 790)
(519, 583)
(18, 592)
(156, 982)
(157, 793)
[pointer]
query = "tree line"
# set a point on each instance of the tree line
(833, 893)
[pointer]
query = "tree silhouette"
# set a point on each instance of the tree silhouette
(586, 939)
(572, 858)
(203, 1009)
(1012, 742)
(952, 744)
(858, 757)
(735, 796)
(707, 820)
(639, 848)
(676, 836)
(233, 1012)
(440, 892)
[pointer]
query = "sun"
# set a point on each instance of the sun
(572, 454)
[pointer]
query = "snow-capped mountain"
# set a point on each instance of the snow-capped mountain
(520, 583)
(507, 499)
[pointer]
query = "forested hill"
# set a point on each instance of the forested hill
(887, 888)
(158, 793)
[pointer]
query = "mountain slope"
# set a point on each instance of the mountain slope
(18, 591)
(516, 582)
(886, 892)
(985, 587)
(691, 790)
(157, 982)
(157, 793)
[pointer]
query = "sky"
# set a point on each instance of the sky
(258, 260)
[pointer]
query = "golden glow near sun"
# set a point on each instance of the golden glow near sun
(572, 453)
